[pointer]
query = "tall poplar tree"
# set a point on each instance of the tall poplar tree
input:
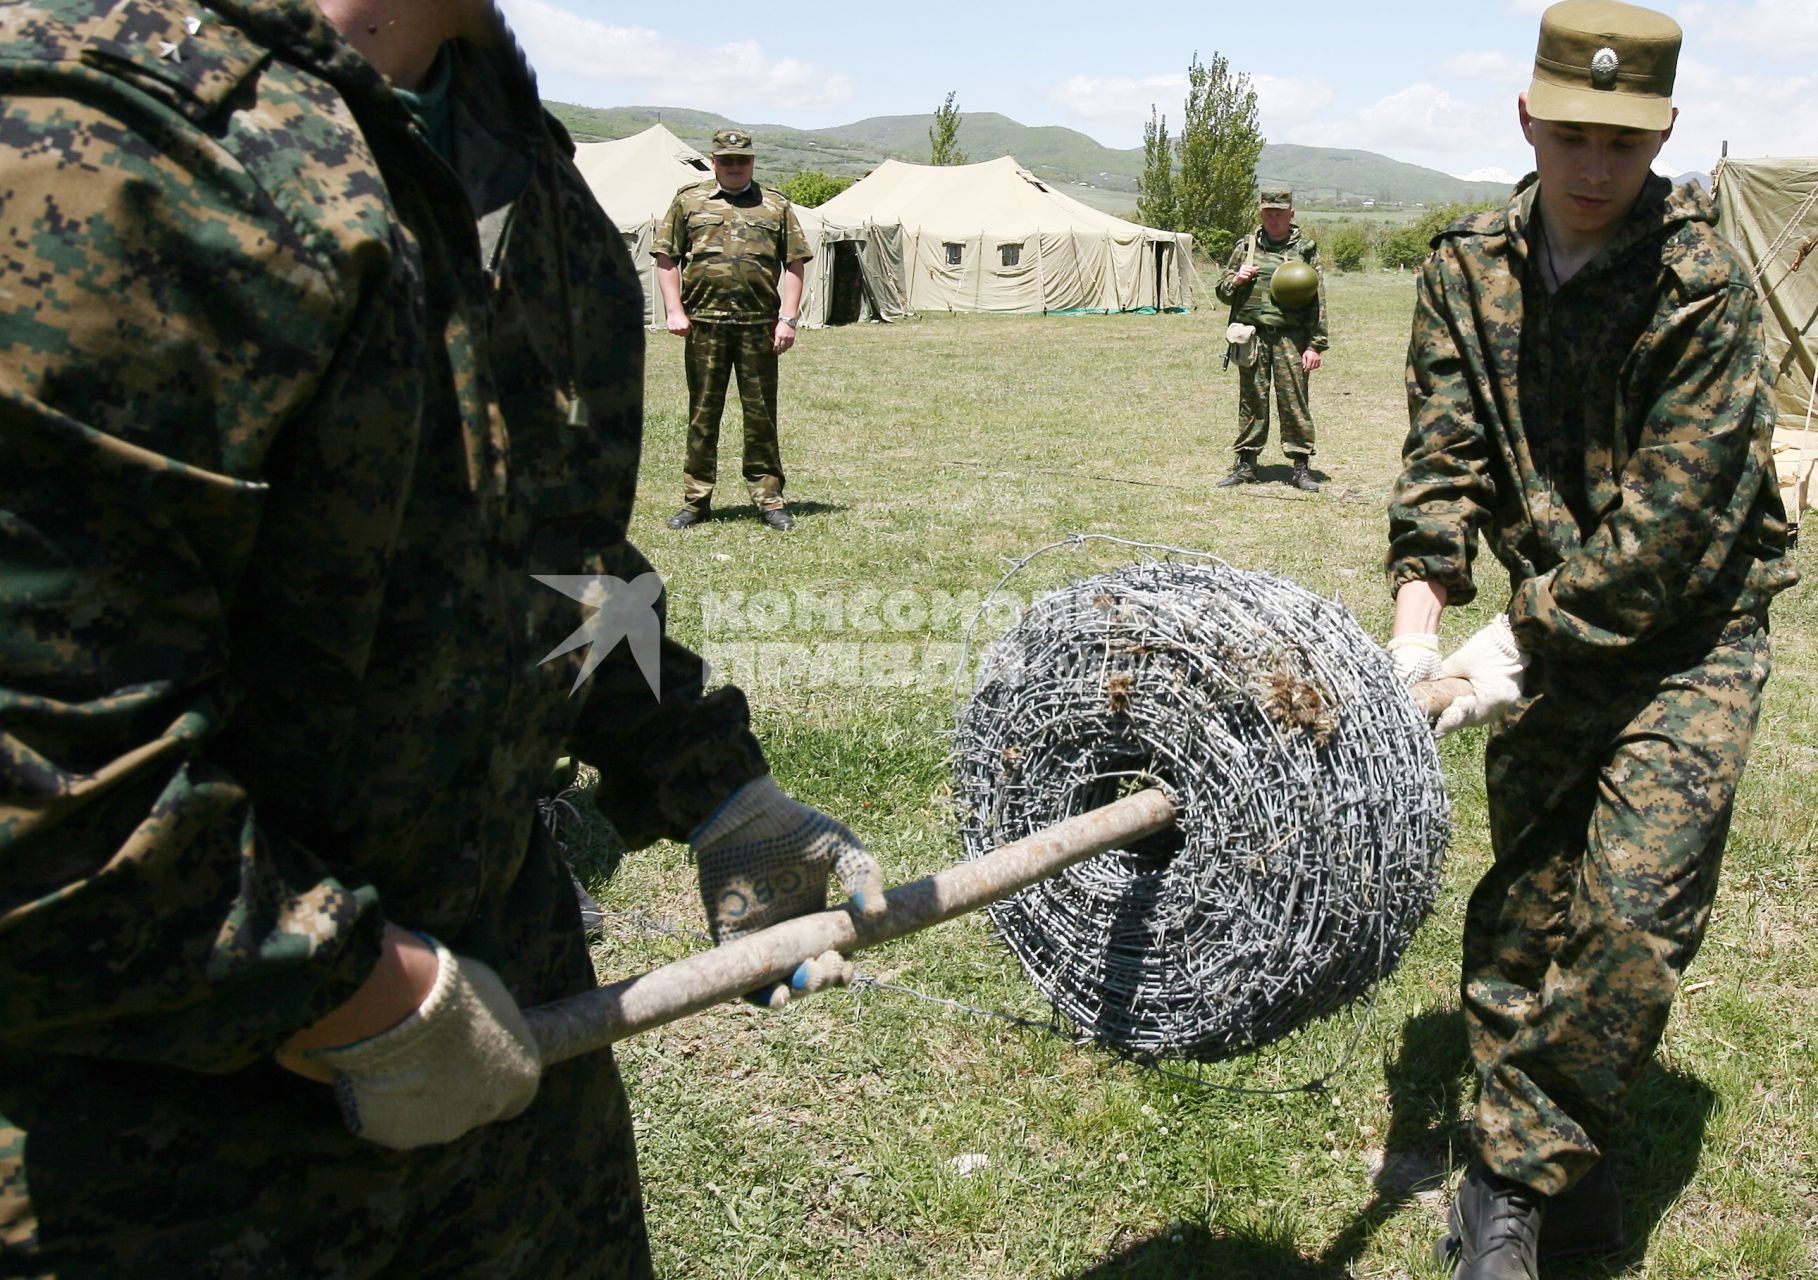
(1219, 145)
(943, 134)
(1156, 205)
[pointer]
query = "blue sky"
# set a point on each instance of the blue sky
(1381, 76)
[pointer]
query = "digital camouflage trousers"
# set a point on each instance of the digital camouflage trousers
(715, 351)
(1610, 795)
(1278, 365)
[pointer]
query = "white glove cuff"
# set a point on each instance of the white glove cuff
(373, 1051)
(1417, 640)
(1502, 636)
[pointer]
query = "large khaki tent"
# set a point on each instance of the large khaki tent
(1768, 209)
(994, 237)
(634, 179)
(855, 269)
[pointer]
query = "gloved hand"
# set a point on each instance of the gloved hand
(1416, 656)
(1493, 663)
(464, 1058)
(765, 858)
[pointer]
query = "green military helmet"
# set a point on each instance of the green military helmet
(1294, 284)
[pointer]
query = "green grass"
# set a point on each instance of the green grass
(826, 1140)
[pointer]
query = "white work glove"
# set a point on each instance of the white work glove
(463, 1059)
(1493, 663)
(1416, 656)
(765, 858)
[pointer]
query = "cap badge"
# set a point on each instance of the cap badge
(1603, 67)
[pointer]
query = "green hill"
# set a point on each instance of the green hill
(1325, 173)
(1079, 165)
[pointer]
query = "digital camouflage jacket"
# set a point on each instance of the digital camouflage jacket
(1614, 438)
(293, 411)
(1252, 304)
(732, 250)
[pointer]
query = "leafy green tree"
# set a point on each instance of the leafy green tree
(1219, 144)
(1155, 202)
(1216, 245)
(1408, 246)
(943, 134)
(811, 187)
(1349, 246)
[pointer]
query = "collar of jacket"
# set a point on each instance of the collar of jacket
(1660, 207)
(494, 84)
(1276, 246)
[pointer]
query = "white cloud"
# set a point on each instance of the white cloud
(1110, 97)
(1766, 30)
(1483, 67)
(636, 64)
(1425, 124)
(1758, 115)
(1288, 109)
(1285, 108)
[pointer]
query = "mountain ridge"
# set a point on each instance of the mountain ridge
(1083, 166)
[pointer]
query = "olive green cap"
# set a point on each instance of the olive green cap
(733, 142)
(1601, 62)
(1277, 198)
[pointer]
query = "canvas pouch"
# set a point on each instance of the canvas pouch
(1242, 341)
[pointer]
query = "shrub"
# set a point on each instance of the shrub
(1348, 247)
(1409, 245)
(1217, 245)
(811, 187)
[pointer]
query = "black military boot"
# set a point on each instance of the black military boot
(777, 518)
(687, 516)
(1243, 471)
(1303, 477)
(1584, 1220)
(1495, 1229)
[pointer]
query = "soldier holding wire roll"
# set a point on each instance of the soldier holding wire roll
(1586, 387)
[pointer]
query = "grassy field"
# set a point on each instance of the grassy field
(872, 1134)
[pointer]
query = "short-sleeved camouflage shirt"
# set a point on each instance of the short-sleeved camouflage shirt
(732, 250)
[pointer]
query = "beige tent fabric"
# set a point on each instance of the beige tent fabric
(856, 273)
(1768, 209)
(636, 178)
(994, 237)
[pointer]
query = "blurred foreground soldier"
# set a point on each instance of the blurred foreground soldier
(318, 348)
(729, 258)
(1288, 341)
(1586, 383)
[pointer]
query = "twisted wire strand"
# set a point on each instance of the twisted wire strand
(1313, 818)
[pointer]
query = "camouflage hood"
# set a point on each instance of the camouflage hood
(298, 32)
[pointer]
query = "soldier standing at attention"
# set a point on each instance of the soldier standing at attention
(729, 258)
(318, 348)
(1586, 384)
(1289, 341)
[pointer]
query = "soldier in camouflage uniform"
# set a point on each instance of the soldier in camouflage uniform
(1290, 342)
(1586, 383)
(318, 347)
(730, 257)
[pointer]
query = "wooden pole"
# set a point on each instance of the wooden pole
(593, 1019)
